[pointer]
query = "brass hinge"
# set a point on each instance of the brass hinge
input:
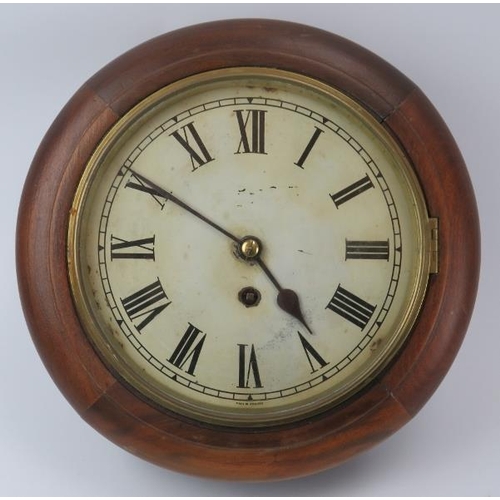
(434, 245)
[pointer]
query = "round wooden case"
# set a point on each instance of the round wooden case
(277, 452)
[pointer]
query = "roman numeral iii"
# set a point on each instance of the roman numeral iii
(252, 127)
(351, 307)
(190, 140)
(188, 349)
(146, 304)
(378, 250)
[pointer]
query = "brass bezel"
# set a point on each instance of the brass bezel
(89, 322)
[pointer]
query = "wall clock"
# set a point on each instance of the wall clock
(248, 250)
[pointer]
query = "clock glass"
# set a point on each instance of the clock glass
(248, 247)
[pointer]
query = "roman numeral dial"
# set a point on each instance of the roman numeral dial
(248, 251)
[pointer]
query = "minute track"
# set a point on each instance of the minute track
(366, 158)
(326, 369)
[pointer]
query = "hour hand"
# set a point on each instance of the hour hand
(288, 300)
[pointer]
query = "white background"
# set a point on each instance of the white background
(452, 447)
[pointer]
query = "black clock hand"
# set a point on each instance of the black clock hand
(287, 299)
(169, 196)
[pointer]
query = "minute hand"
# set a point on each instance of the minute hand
(169, 196)
(287, 299)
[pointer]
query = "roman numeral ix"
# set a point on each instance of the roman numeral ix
(351, 307)
(146, 304)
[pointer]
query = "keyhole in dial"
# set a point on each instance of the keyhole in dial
(249, 296)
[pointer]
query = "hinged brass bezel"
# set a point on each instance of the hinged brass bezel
(125, 372)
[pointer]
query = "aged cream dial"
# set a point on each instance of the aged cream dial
(248, 247)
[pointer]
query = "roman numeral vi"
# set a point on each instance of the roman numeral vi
(248, 367)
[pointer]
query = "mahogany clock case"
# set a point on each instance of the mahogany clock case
(278, 452)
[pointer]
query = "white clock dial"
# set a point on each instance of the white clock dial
(327, 207)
